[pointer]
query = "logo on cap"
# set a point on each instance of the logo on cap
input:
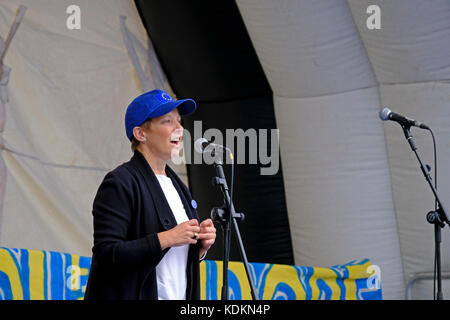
(165, 97)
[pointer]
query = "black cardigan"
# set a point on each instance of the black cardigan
(129, 210)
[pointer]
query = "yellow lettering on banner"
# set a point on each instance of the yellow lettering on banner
(8, 266)
(290, 277)
(36, 265)
(350, 289)
(355, 272)
(203, 280)
(330, 279)
(239, 270)
(219, 279)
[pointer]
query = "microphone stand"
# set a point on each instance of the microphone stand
(227, 216)
(438, 217)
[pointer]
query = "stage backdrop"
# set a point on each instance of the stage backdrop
(348, 186)
(64, 127)
(352, 183)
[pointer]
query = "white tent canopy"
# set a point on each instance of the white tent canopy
(64, 127)
(353, 187)
(350, 189)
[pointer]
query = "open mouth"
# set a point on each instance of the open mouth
(176, 141)
(176, 137)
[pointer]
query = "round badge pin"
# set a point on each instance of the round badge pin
(194, 204)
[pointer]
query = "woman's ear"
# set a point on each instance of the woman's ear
(139, 134)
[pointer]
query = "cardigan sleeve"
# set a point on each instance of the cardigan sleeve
(112, 212)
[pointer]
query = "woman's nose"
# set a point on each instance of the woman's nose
(178, 131)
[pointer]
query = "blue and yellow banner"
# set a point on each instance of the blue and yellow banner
(353, 281)
(42, 275)
(48, 275)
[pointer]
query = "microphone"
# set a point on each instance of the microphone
(201, 145)
(387, 114)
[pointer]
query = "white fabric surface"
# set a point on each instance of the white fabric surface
(429, 103)
(64, 127)
(410, 56)
(413, 42)
(332, 149)
(337, 183)
(307, 48)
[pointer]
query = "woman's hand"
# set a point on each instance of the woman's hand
(182, 234)
(207, 235)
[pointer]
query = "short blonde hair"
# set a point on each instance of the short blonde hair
(134, 142)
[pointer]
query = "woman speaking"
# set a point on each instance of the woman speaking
(148, 241)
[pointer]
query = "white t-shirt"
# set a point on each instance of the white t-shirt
(171, 270)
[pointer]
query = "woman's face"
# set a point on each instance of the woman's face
(164, 135)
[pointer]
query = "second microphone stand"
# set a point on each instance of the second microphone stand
(438, 217)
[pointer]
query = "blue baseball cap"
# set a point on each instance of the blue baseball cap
(154, 104)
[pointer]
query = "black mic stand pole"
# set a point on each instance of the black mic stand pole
(227, 216)
(437, 217)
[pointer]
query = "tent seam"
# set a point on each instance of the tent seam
(386, 147)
